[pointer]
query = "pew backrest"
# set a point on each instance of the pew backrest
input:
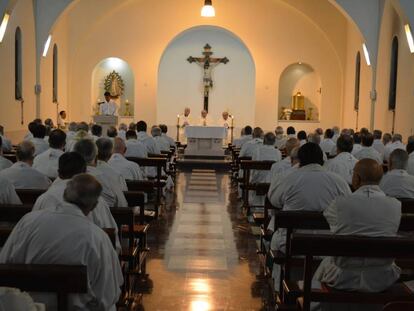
(29, 196)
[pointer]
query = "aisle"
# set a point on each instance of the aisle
(203, 259)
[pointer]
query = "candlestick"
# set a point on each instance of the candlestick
(178, 120)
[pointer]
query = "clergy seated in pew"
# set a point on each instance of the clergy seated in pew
(248, 148)
(8, 193)
(245, 136)
(5, 162)
(112, 191)
(310, 187)
(21, 174)
(397, 182)
(358, 274)
(287, 163)
(70, 165)
(67, 237)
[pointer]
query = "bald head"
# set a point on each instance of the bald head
(119, 146)
(366, 172)
(291, 144)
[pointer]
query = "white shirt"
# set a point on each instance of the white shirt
(398, 184)
(264, 153)
(205, 121)
(122, 134)
(242, 140)
(8, 194)
(327, 145)
(135, 149)
(112, 174)
(111, 190)
(389, 148)
(170, 140)
(366, 212)
(52, 199)
(162, 143)
(356, 148)
(6, 144)
(411, 164)
(40, 145)
(70, 135)
(23, 176)
(280, 141)
(281, 166)
(47, 162)
(67, 237)
(149, 142)
(5, 163)
(310, 188)
(379, 146)
(368, 153)
(343, 165)
(128, 169)
(248, 148)
(108, 108)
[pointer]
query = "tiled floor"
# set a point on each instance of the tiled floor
(202, 254)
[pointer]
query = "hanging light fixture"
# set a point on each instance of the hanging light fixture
(208, 9)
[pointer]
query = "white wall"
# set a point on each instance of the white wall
(180, 83)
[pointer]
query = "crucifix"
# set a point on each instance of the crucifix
(207, 63)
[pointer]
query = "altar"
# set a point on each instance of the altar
(205, 141)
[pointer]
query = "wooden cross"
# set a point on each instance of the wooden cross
(207, 63)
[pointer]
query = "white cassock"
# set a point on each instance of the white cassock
(226, 124)
(262, 153)
(398, 184)
(205, 121)
(6, 144)
(248, 148)
(377, 216)
(343, 165)
(149, 142)
(280, 141)
(122, 134)
(184, 121)
(135, 149)
(8, 193)
(111, 190)
(66, 236)
(327, 145)
(356, 148)
(100, 216)
(47, 162)
(114, 176)
(309, 188)
(389, 148)
(162, 143)
(379, 146)
(70, 135)
(5, 163)
(23, 176)
(128, 169)
(411, 164)
(170, 140)
(239, 142)
(369, 153)
(16, 300)
(40, 145)
(108, 108)
(280, 167)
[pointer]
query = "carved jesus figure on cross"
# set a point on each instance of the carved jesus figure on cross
(207, 63)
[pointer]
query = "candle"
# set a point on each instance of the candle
(178, 120)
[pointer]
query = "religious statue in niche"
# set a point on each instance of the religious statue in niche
(208, 64)
(114, 84)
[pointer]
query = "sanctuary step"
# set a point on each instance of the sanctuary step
(186, 164)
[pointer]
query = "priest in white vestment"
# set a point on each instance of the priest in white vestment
(378, 144)
(162, 143)
(357, 143)
(6, 144)
(327, 144)
(397, 183)
(367, 151)
(128, 169)
(21, 174)
(343, 164)
(285, 164)
(205, 119)
(146, 139)
(108, 107)
(38, 140)
(4, 163)
(67, 237)
(377, 216)
(47, 162)
(310, 188)
(112, 191)
(248, 148)
(135, 148)
(246, 136)
(164, 130)
(70, 165)
(410, 150)
(280, 138)
(122, 129)
(70, 134)
(8, 193)
(395, 144)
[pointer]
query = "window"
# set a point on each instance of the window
(55, 73)
(357, 80)
(392, 99)
(18, 79)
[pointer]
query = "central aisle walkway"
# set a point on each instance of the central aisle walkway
(202, 256)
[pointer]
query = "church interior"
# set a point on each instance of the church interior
(207, 155)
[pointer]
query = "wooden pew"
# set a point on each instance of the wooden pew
(407, 206)
(311, 245)
(60, 279)
(399, 306)
(11, 156)
(29, 196)
(13, 213)
(247, 166)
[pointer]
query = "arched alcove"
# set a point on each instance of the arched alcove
(300, 77)
(180, 84)
(101, 71)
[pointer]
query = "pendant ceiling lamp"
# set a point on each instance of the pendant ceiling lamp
(208, 9)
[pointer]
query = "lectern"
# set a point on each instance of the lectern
(205, 141)
(105, 122)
